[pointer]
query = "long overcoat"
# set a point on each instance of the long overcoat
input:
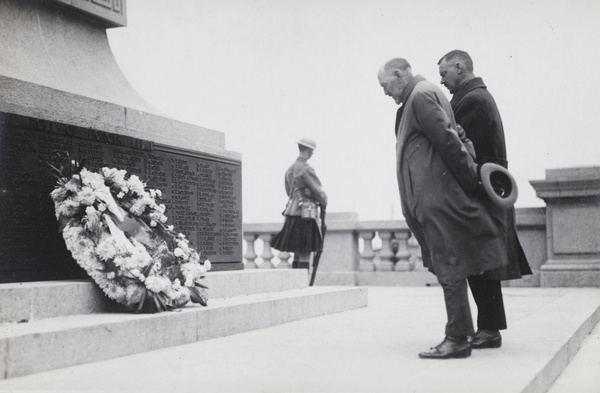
(437, 179)
(476, 111)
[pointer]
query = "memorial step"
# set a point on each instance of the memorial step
(42, 345)
(22, 302)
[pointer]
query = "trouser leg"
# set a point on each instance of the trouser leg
(301, 260)
(460, 321)
(490, 304)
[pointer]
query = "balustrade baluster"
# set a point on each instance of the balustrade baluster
(385, 255)
(267, 253)
(284, 256)
(250, 256)
(403, 255)
(416, 260)
(366, 257)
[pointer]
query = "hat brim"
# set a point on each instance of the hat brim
(499, 185)
(312, 147)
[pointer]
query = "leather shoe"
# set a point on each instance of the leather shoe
(450, 348)
(486, 339)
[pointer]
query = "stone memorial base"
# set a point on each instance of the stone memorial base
(61, 91)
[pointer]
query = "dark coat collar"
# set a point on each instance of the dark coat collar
(475, 83)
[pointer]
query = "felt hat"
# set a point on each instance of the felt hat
(499, 185)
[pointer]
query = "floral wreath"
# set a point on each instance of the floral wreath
(116, 231)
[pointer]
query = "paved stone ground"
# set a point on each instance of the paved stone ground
(373, 349)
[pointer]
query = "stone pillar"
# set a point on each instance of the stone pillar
(340, 250)
(572, 199)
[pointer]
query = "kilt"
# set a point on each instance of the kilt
(298, 235)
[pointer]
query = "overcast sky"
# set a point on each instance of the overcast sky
(266, 72)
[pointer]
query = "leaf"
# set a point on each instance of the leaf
(201, 285)
(136, 297)
(198, 295)
(142, 301)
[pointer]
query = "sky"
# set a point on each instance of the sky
(267, 72)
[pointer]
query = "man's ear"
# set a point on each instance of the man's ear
(459, 68)
(398, 74)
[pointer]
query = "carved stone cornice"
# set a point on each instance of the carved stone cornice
(112, 11)
(569, 183)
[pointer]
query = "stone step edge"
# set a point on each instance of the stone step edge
(579, 312)
(21, 302)
(47, 344)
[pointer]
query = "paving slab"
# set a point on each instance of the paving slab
(372, 349)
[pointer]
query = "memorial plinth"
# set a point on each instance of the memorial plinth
(61, 91)
(572, 199)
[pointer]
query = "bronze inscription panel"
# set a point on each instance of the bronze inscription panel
(202, 194)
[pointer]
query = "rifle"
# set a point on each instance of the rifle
(320, 250)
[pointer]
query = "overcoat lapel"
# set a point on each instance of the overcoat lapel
(409, 88)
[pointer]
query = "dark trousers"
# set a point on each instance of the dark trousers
(460, 321)
(490, 305)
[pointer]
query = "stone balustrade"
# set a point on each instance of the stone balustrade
(380, 252)
(560, 241)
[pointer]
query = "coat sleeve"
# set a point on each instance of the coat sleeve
(288, 186)
(482, 122)
(436, 124)
(314, 185)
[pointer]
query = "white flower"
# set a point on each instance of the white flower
(120, 195)
(158, 193)
(178, 252)
(68, 208)
(153, 223)
(140, 205)
(58, 194)
(101, 207)
(170, 227)
(207, 264)
(176, 284)
(157, 283)
(115, 292)
(73, 184)
(110, 275)
(86, 196)
(106, 249)
(195, 257)
(115, 176)
(92, 219)
(136, 185)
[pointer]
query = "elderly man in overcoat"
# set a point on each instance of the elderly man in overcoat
(476, 111)
(439, 188)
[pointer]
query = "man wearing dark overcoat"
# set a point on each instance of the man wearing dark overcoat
(439, 187)
(476, 111)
